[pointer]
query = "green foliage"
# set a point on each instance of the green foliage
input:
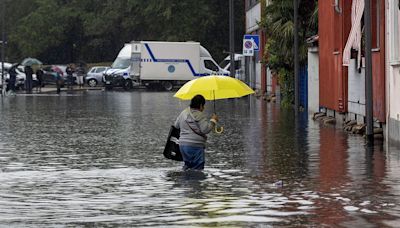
(62, 31)
(278, 23)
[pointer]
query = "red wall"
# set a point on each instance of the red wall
(334, 29)
(378, 61)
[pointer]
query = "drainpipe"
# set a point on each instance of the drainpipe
(296, 55)
(368, 74)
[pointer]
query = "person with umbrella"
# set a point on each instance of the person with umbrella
(194, 125)
(70, 75)
(39, 77)
(28, 78)
(13, 77)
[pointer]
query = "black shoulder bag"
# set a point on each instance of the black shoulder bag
(171, 150)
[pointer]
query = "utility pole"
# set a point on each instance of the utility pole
(368, 74)
(232, 38)
(296, 55)
(3, 49)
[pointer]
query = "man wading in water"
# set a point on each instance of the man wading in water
(194, 125)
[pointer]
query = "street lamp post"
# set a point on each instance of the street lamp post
(368, 74)
(232, 38)
(3, 43)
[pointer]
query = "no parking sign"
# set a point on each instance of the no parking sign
(248, 47)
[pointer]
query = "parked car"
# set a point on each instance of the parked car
(95, 75)
(20, 82)
(50, 76)
(20, 79)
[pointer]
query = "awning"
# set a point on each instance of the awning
(354, 40)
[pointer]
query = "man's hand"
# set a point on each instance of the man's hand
(214, 117)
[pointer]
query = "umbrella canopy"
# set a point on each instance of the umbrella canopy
(213, 88)
(30, 62)
(58, 70)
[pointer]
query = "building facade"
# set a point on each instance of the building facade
(342, 62)
(393, 69)
(256, 73)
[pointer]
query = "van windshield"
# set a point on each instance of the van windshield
(121, 63)
(224, 63)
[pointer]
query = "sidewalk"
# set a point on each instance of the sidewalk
(51, 89)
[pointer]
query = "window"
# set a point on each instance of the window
(100, 69)
(121, 63)
(376, 23)
(251, 3)
(224, 63)
(210, 65)
(237, 64)
(395, 37)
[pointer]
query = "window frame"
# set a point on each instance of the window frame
(395, 31)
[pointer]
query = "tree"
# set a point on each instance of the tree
(62, 31)
(278, 22)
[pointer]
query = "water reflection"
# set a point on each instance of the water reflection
(95, 159)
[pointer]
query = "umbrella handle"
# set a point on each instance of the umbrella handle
(221, 128)
(218, 130)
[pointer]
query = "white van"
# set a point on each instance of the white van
(161, 63)
(239, 65)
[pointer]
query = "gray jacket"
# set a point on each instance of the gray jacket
(194, 126)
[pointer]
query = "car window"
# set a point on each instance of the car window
(100, 69)
(93, 70)
(210, 65)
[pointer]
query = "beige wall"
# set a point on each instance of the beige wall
(393, 46)
(393, 68)
(253, 16)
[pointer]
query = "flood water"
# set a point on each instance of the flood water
(94, 159)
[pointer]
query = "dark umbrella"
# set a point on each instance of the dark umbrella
(30, 62)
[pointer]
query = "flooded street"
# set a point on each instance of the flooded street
(94, 159)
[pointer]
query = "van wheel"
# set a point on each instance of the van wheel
(167, 85)
(128, 85)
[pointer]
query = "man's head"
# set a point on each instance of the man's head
(198, 102)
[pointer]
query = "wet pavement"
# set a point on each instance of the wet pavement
(94, 159)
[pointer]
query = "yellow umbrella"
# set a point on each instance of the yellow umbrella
(213, 88)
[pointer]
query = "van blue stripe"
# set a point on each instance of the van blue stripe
(174, 61)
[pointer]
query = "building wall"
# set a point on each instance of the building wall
(333, 30)
(393, 69)
(256, 74)
(356, 82)
(378, 59)
(313, 80)
(253, 16)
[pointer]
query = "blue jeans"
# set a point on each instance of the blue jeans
(193, 157)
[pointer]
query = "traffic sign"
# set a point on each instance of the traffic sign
(256, 41)
(248, 47)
